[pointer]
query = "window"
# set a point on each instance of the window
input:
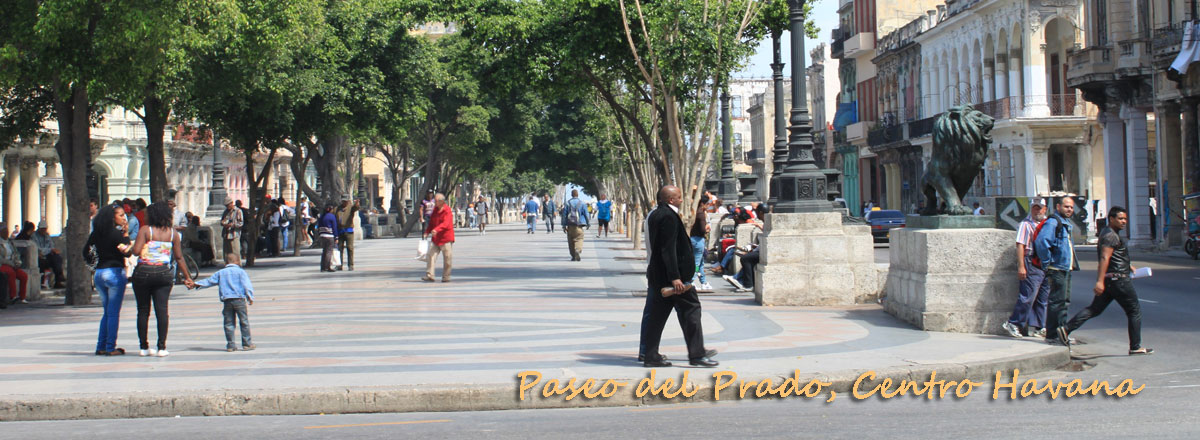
(737, 145)
(735, 106)
(1102, 23)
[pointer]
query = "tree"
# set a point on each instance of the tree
(251, 81)
(62, 59)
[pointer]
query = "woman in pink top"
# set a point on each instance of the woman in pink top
(158, 249)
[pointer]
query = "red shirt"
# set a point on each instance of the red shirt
(441, 226)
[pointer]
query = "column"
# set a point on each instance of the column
(1138, 169)
(1015, 85)
(1116, 188)
(1169, 137)
(943, 85)
(31, 186)
(962, 84)
(975, 82)
(924, 96)
(1035, 82)
(53, 205)
(989, 72)
(1001, 71)
(12, 191)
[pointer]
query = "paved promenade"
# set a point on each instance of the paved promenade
(379, 339)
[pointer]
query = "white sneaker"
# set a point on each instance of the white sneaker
(733, 281)
(163, 353)
(705, 288)
(1011, 329)
(149, 352)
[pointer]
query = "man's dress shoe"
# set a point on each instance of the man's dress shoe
(702, 362)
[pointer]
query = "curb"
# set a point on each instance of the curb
(451, 397)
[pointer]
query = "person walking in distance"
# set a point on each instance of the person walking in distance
(548, 212)
(1114, 283)
(670, 263)
(327, 227)
(426, 209)
(441, 234)
(697, 233)
(530, 211)
(481, 210)
(575, 217)
(1030, 310)
(159, 250)
(603, 214)
(1056, 254)
(346, 215)
(231, 229)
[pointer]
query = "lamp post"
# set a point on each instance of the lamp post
(216, 194)
(780, 152)
(727, 189)
(802, 186)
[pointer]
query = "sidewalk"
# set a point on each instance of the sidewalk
(380, 340)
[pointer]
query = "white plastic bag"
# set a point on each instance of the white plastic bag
(423, 250)
(337, 258)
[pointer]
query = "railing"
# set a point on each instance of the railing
(885, 135)
(1065, 105)
(922, 127)
(1002, 108)
(1167, 40)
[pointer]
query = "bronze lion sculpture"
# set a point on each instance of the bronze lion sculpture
(960, 144)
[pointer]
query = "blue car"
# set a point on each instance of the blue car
(882, 221)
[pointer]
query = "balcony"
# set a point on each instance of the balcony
(922, 127)
(837, 46)
(858, 130)
(1089, 66)
(1134, 59)
(1003, 108)
(881, 136)
(860, 42)
(1166, 43)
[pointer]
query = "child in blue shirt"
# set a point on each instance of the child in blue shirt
(236, 292)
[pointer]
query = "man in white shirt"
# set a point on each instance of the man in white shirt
(179, 221)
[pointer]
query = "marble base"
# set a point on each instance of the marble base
(812, 259)
(952, 280)
(950, 221)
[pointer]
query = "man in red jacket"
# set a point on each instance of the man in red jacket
(441, 230)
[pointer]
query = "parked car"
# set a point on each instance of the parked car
(882, 221)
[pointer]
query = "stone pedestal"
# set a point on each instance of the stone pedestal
(952, 280)
(812, 259)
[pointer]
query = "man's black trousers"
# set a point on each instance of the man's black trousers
(687, 309)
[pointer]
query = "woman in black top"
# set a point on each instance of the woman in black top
(111, 240)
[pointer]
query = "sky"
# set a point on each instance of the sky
(825, 16)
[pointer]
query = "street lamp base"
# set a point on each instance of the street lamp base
(802, 191)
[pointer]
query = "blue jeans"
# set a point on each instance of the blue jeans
(727, 259)
(234, 312)
(698, 253)
(110, 282)
(287, 236)
(1030, 309)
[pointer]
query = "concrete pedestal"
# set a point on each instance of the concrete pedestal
(952, 280)
(813, 259)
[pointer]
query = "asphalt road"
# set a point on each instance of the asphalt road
(1165, 408)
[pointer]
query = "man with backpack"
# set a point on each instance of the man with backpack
(1056, 255)
(575, 218)
(1030, 309)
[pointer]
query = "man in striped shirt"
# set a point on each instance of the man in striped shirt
(1030, 309)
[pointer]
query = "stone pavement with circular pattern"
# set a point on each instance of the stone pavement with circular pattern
(515, 303)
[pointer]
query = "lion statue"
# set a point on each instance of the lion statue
(960, 144)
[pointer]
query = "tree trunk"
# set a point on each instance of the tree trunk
(155, 120)
(333, 188)
(257, 197)
(74, 153)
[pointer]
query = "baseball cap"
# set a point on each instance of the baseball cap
(1038, 201)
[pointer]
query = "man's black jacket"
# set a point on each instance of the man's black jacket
(671, 256)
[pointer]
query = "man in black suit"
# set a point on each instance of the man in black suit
(671, 263)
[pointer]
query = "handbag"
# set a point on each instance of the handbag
(153, 274)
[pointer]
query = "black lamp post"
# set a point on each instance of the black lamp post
(780, 152)
(802, 186)
(727, 189)
(216, 194)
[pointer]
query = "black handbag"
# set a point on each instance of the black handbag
(153, 274)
